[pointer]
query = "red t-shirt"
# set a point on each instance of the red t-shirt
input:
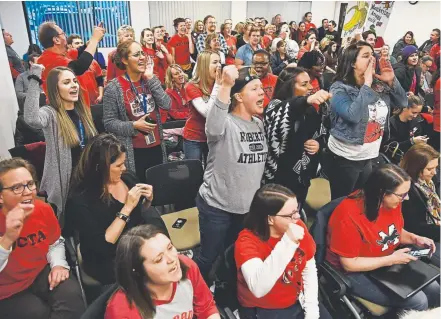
(194, 129)
(351, 234)
(112, 70)
(435, 53)
(266, 41)
(315, 88)
(268, 84)
(160, 65)
(28, 256)
(180, 106)
(309, 25)
(182, 50)
(190, 296)
(51, 60)
(136, 111)
(287, 288)
(230, 42)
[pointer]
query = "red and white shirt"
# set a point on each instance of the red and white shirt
(194, 129)
(351, 234)
(190, 297)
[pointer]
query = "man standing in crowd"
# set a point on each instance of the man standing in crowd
(15, 63)
(188, 24)
(244, 56)
(74, 41)
(261, 64)
(427, 45)
(210, 27)
(331, 33)
(322, 30)
(54, 41)
(370, 37)
(308, 22)
(181, 46)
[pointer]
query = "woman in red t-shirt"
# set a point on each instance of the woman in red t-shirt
(277, 274)
(159, 54)
(132, 104)
(364, 233)
(202, 92)
(35, 280)
(175, 80)
(155, 281)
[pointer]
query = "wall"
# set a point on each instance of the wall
(321, 10)
(13, 20)
(420, 18)
(9, 105)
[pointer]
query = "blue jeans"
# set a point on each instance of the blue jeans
(365, 288)
(196, 150)
(219, 229)
(293, 312)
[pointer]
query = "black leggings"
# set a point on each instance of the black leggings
(38, 302)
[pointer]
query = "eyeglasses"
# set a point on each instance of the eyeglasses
(402, 197)
(19, 188)
(138, 54)
(290, 216)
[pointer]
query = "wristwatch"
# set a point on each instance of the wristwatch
(123, 217)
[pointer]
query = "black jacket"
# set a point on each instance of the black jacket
(277, 64)
(404, 75)
(402, 132)
(415, 215)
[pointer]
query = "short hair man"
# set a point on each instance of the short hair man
(261, 64)
(15, 62)
(244, 56)
(322, 29)
(74, 41)
(210, 27)
(308, 21)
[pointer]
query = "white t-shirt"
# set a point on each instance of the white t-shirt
(372, 139)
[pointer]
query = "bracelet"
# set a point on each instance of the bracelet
(36, 78)
(123, 217)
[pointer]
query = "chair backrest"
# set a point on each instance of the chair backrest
(319, 228)
(97, 309)
(225, 293)
(175, 183)
(97, 116)
(34, 153)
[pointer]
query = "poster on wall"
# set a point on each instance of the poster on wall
(355, 18)
(378, 17)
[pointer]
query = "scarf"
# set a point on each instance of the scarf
(433, 201)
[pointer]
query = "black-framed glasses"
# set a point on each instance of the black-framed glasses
(402, 197)
(290, 216)
(19, 188)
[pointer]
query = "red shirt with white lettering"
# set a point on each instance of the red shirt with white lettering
(190, 296)
(288, 287)
(28, 256)
(351, 234)
(194, 129)
(136, 110)
(268, 84)
(182, 50)
(51, 60)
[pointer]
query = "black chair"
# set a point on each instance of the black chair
(97, 309)
(177, 184)
(97, 116)
(334, 287)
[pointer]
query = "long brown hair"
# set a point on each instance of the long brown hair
(131, 276)
(66, 127)
(417, 158)
(202, 74)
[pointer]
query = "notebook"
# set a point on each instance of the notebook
(406, 280)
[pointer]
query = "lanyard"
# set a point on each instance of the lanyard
(135, 92)
(82, 134)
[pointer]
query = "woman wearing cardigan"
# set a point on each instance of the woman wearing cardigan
(131, 108)
(67, 125)
(359, 116)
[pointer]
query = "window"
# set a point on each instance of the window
(79, 17)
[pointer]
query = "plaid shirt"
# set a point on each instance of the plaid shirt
(200, 43)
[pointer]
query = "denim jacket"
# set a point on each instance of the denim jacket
(350, 112)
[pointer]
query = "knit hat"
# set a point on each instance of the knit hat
(246, 75)
(407, 51)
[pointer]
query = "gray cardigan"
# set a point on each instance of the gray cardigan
(115, 116)
(58, 161)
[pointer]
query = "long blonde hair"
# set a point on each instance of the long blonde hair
(202, 74)
(169, 76)
(66, 127)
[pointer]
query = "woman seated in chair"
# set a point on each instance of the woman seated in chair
(105, 201)
(277, 275)
(406, 128)
(364, 234)
(421, 212)
(35, 282)
(155, 281)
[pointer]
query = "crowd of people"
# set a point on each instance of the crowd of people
(269, 106)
